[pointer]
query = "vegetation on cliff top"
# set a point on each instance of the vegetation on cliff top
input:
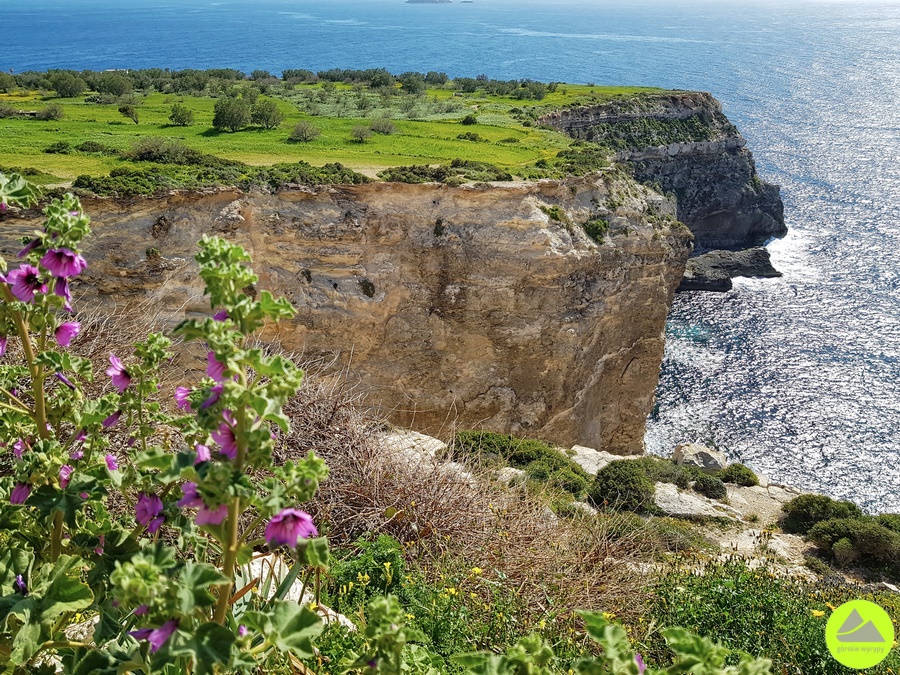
(65, 124)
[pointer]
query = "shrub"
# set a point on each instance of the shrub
(889, 520)
(872, 543)
(469, 120)
(304, 132)
(710, 486)
(623, 484)
(130, 112)
(803, 512)
(59, 148)
(7, 111)
(53, 111)
(383, 126)
(181, 116)
(266, 114)
(360, 134)
(561, 477)
(472, 136)
(596, 228)
(68, 85)
(95, 147)
(739, 475)
(231, 114)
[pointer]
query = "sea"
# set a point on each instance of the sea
(798, 377)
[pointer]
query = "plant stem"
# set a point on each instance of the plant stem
(56, 537)
(231, 550)
(15, 399)
(15, 408)
(36, 372)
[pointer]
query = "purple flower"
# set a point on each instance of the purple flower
(65, 380)
(63, 263)
(191, 499)
(66, 332)
(112, 420)
(20, 493)
(208, 516)
(288, 527)
(20, 584)
(2, 345)
(25, 282)
(99, 549)
(221, 315)
(213, 398)
(65, 474)
(141, 610)
(156, 636)
(182, 398)
(203, 454)
(118, 373)
(84, 495)
(3, 207)
(111, 462)
(75, 455)
(61, 289)
(640, 664)
(19, 447)
(225, 437)
(242, 630)
(215, 368)
(29, 247)
(82, 435)
(148, 509)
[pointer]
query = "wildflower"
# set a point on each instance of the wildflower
(147, 512)
(213, 398)
(210, 516)
(83, 495)
(190, 499)
(182, 398)
(25, 282)
(157, 637)
(99, 549)
(3, 207)
(66, 332)
(112, 420)
(830, 606)
(818, 613)
(221, 315)
(288, 527)
(141, 610)
(203, 454)
(61, 289)
(75, 455)
(29, 247)
(65, 380)
(118, 373)
(3, 340)
(19, 447)
(640, 664)
(111, 463)
(476, 571)
(65, 474)
(61, 262)
(215, 368)
(225, 437)
(20, 493)
(20, 585)
(242, 629)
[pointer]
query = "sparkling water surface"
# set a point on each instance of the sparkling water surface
(797, 376)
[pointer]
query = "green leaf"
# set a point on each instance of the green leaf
(315, 552)
(16, 190)
(289, 627)
(210, 646)
(61, 588)
(90, 662)
(193, 587)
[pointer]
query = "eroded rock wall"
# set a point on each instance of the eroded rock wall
(682, 143)
(477, 307)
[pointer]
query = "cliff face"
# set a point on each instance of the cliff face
(681, 143)
(453, 306)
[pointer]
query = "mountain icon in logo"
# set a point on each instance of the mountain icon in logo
(857, 629)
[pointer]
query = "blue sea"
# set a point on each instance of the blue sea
(799, 377)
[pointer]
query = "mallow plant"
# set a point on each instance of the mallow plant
(122, 525)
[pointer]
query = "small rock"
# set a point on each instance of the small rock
(586, 509)
(509, 475)
(412, 448)
(674, 502)
(593, 460)
(694, 454)
(890, 587)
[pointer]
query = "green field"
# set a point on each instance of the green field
(426, 129)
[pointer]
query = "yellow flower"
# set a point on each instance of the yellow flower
(830, 606)
(474, 596)
(476, 571)
(542, 625)
(410, 617)
(609, 616)
(818, 613)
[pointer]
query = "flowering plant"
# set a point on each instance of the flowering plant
(123, 526)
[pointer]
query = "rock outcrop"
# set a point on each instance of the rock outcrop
(681, 143)
(713, 271)
(473, 306)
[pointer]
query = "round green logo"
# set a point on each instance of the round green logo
(859, 634)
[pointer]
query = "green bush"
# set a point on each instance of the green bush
(472, 136)
(469, 120)
(383, 126)
(623, 484)
(873, 544)
(304, 132)
(564, 478)
(802, 512)
(664, 470)
(369, 569)
(95, 147)
(710, 486)
(739, 475)
(889, 520)
(53, 112)
(59, 148)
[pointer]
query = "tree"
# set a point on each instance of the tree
(260, 75)
(130, 112)
(68, 85)
(266, 114)
(304, 132)
(7, 82)
(232, 114)
(53, 111)
(360, 134)
(469, 120)
(111, 83)
(434, 78)
(181, 116)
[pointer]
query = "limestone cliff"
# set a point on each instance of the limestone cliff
(681, 143)
(472, 306)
